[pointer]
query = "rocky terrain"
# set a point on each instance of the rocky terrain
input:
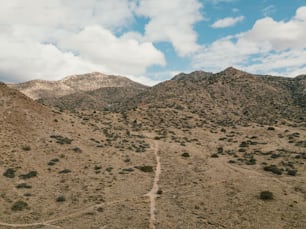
(80, 84)
(202, 150)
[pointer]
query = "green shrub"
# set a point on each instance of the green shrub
(23, 185)
(19, 206)
(266, 195)
(292, 172)
(26, 148)
(145, 168)
(64, 171)
(60, 198)
(28, 175)
(274, 169)
(61, 140)
(9, 173)
(185, 154)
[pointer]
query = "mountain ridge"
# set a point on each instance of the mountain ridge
(41, 89)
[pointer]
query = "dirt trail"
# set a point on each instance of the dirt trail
(153, 193)
(51, 222)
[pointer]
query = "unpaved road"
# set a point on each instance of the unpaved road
(153, 193)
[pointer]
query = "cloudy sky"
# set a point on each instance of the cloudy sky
(150, 40)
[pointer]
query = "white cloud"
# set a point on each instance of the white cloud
(270, 47)
(172, 21)
(227, 22)
(125, 56)
(53, 39)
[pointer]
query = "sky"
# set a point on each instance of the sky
(150, 40)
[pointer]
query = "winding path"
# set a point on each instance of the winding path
(153, 193)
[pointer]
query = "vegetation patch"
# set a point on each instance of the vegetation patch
(145, 168)
(274, 169)
(266, 195)
(60, 198)
(61, 140)
(28, 175)
(9, 173)
(23, 185)
(19, 206)
(26, 148)
(64, 171)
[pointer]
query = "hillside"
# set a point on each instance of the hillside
(42, 89)
(202, 150)
(99, 99)
(228, 97)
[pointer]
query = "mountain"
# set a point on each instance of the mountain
(195, 76)
(42, 89)
(202, 150)
(228, 97)
(56, 166)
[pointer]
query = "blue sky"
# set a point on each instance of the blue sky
(150, 40)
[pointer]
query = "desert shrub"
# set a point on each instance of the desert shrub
(64, 171)
(77, 150)
(53, 161)
(61, 140)
(271, 128)
(60, 198)
(28, 175)
(19, 206)
(9, 173)
(252, 161)
(26, 148)
(266, 195)
(185, 154)
(23, 185)
(275, 155)
(145, 168)
(291, 172)
(220, 150)
(301, 144)
(243, 144)
(97, 167)
(214, 155)
(274, 169)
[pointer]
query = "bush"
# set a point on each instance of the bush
(61, 140)
(9, 173)
(271, 128)
(244, 144)
(292, 172)
(274, 169)
(26, 148)
(145, 168)
(23, 185)
(65, 171)
(28, 175)
(266, 195)
(19, 206)
(60, 198)
(185, 154)
(214, 155)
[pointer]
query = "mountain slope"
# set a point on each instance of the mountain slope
(37, 89)
(230, 96)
